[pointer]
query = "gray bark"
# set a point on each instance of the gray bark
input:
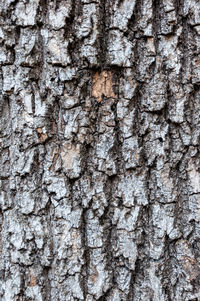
(99, 161)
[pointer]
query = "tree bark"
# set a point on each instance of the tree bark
(99, 177)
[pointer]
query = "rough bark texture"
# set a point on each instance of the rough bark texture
(100, 182)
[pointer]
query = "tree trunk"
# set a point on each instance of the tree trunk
(100, 182)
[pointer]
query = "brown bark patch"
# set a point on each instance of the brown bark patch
(54, 162)
(69, 154)
(74, 243)
(192, 267)
(43, 136)
(33, 281)
(94, 275)
(103, 85)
